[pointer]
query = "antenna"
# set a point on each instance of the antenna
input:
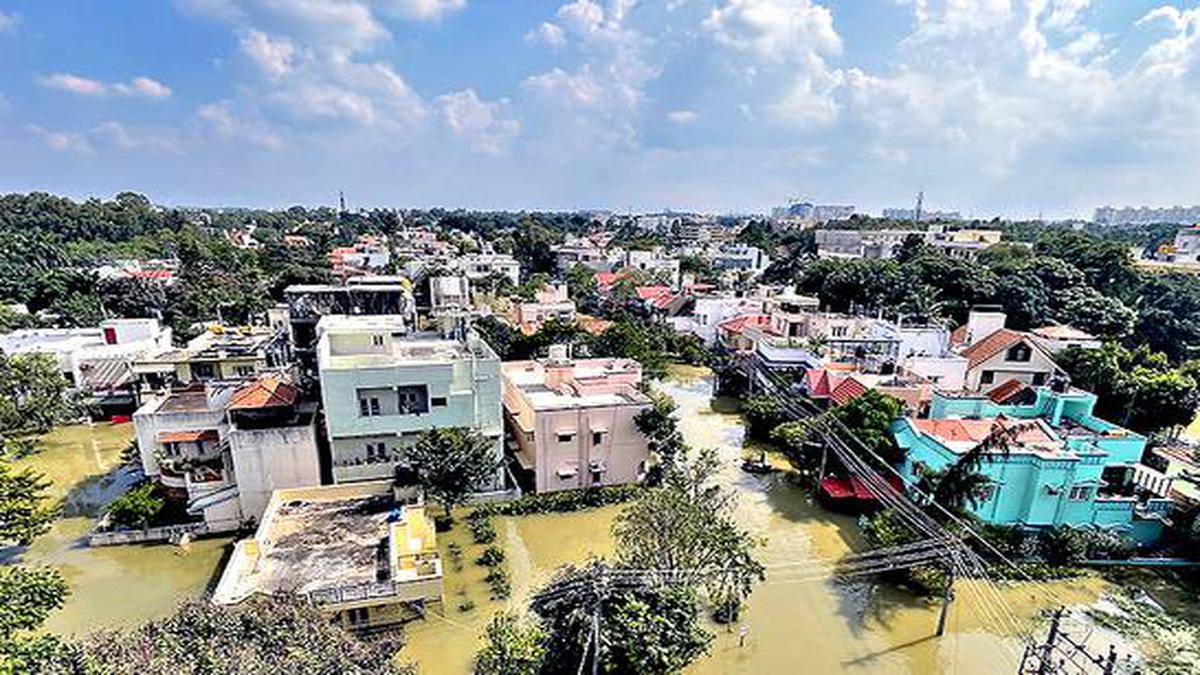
(920, 203)
(341, 202)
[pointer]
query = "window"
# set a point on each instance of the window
(597, 437)
(1079, 493)
(438, 401)
(566, 436)
(368, 406)
(1019, 352)
(203, 371)
(988, 377)
(244, 371)
(377, 450)
(840, 331)
(1039, 379)
(357, 616)
(377, 340)
(413, 399)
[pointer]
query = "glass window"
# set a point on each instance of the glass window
(438, 401)
(1080, 493)
(988, 377)
(368, 406)
(1019, 352)
(597, 437)
(565, 437)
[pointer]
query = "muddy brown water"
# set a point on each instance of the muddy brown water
(115, 586)
(811, 627)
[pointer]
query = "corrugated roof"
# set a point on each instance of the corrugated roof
(847, 390)
(1006, 391)
(191, 436)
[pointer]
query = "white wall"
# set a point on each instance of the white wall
(265, 460)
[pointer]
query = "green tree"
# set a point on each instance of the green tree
(24, 511)
(137, 508)
(27, 596)
(661, 429)
(279, 634)
(452, 463)
(511, 647)
(687, 528)
(645, 628)
(33, 396)
(762, 415)
(1138, 388)
(869, 418)
(581, 283)
(1089, 310)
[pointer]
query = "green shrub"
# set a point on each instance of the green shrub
(482, 530)
(497, 580)
(1062, 545)
(491, 557)
(137, 508)
(466, 605)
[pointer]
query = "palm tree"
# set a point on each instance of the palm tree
(959, 486)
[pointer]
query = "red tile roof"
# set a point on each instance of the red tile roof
(991, 345)
(847, 390)
(187, 436)
(958, 336)
(1006, 391)
(738, 323)
(152, 274)
(652, 292)
(266, 392)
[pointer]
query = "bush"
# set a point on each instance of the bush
(563, 502)
(466, 605)
(482, 530)
(491, 557)
(137, 508)
(497, 580)
(1062, 545)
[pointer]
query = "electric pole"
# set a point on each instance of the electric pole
(947, 598)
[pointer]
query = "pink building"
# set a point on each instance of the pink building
(573, 420)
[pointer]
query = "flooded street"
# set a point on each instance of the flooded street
(813, 627)
(808, 626)
(113, 586)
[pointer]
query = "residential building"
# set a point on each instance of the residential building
(1185, 249)
(161, 270)
(1058, 337)
(1145, 215)
(838, 384)
(478, 266)
(814, 212)
(710, 311)
(655, 262)
(366, 296)
(875, 244)
(219, 353)
(449, 295)
(741, 258)
(965, 243)
(573, 420)
(356, 552)
(98, 362)
(551, 302)
(911, 214)
(1181, 465)
(381, 386)
(996, 355)
(368, 255)
(223, 447)
(1062, 465)
(581, 251)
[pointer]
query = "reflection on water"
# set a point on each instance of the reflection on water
(821, 627)
(112, 586)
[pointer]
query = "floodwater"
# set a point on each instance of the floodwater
(792, 627)
(113, 586)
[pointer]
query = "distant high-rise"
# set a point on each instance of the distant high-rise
(818, 212)
(1145, 215)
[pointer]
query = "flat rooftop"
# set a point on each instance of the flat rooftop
(313, 544)
(529, 377)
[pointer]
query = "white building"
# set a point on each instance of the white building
(382, 386)
(655, 262)
(225, 446)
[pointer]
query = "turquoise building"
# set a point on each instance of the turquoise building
(1065, 466)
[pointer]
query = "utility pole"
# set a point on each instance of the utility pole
(1045, 665)
(947, 598)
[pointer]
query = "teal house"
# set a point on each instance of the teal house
(1063, 465)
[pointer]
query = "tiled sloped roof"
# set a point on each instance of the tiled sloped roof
(991, 345)
(1006, 391)
(266, 392)
(848, 390)
(738, 323)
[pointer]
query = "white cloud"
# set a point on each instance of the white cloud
(547, 33)
(61, 141)
(425, 10)
(141, 87)
(580, 88)
(8, 22)
(775, 30)
(682, 117)
(274, 55)
(487, 127)
(128, 138)
(74, 84)
(219, 119)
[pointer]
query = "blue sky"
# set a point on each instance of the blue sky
(1009, 107)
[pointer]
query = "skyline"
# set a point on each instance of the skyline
(992, 107)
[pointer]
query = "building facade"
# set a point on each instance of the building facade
(573, 421)
(382, 386)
